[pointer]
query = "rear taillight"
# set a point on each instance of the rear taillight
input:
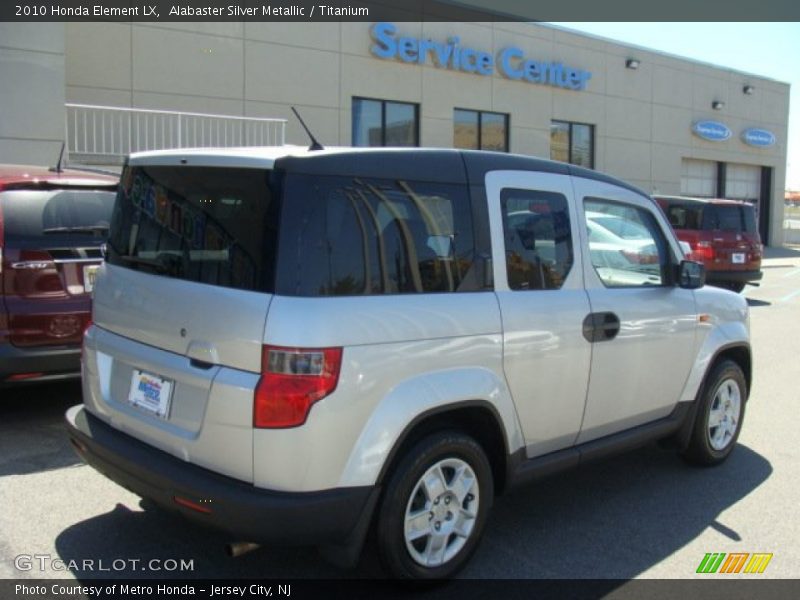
(292, 380)
(703, 252)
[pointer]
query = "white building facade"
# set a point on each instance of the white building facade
(666, 124)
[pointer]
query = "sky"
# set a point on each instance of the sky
(768, 49)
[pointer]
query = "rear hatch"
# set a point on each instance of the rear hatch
(722, 235)
(180, 309)
(733, 235)
(51, 250)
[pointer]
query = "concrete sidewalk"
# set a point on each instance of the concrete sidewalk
(787, 251)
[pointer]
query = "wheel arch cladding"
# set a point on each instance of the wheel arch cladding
(477, 419)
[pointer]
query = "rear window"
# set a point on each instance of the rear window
(360, 236)
(209, 225)
(710, 217)
(685, 216)
(729, 217)
(40, 217)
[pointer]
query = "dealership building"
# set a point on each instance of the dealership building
(666, 124)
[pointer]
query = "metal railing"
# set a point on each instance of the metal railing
(107, 134)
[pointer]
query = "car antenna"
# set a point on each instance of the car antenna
(57, 168)
(315, 145)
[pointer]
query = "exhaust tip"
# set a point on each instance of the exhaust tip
(236, 549)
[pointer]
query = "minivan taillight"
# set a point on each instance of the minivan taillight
(703, 252)
(292, 380)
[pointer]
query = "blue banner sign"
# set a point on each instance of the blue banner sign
(713, 131)
(510, 62)
(760, 138)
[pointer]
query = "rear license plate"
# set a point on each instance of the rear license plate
(151, 393)
(89, 275)
(737, 258)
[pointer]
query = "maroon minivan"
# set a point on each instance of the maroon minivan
(722, 235)
(52, 227)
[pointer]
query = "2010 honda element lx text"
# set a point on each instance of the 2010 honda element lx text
(298, 347)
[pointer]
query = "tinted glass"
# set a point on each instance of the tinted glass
(494, 128)
(465, 129)
(730, 217)
(749, 219)
(203, 224)
(33, 215)
(538, 240)
(401, 124)
(625, 262)
(367, 122)
(559, 141)
(685, 216)
(351, 236)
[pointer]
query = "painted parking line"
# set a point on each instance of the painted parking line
(787, 297)
(791, 273)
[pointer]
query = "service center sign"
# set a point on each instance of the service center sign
(713, 131)
(760, 138)
(510, 62)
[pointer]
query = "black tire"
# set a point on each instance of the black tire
(708, 445)
(734, 286)
(450, 450)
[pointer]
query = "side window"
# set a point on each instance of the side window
(538, 240)
(360, 236)
(626, 245)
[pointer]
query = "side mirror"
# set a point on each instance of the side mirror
(691, 275)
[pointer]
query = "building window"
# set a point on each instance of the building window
(385, 123)
(572, 143)
(480, 130)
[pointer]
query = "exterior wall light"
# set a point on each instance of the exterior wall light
(748, 89)
(632, 63)
(717, 105)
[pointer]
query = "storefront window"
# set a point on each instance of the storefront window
(480, 130)
(572, 143)
(385, 123)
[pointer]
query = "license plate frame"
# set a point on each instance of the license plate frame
(151, 393)
(737, 258)
(89, 277)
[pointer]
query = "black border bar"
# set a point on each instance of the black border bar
(396, 10)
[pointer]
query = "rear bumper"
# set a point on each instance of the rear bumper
(738, 276)
(49, 364)
(244, 512)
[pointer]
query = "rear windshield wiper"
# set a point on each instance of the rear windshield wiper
(81, 229)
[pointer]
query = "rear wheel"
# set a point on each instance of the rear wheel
(734, 286)
(719, 416)
(434, 507)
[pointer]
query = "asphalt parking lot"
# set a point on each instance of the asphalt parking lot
(642, 515)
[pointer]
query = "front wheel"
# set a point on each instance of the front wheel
(720, 415)
(434, 507)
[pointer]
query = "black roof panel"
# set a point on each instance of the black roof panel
(420, 164)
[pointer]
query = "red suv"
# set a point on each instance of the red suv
(722, 235)
(52, 226)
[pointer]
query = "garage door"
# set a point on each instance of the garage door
(698, 178)
(743, 182)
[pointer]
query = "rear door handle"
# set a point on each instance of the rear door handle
(600, 327)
